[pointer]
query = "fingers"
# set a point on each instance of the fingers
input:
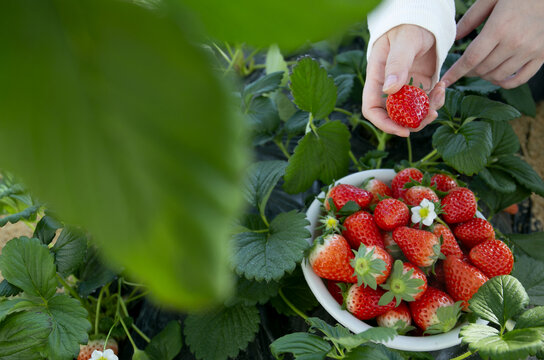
(522, 76)
(474, 17)
(508, 68)
(399, 62)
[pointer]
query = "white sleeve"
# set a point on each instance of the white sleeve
(437, 16)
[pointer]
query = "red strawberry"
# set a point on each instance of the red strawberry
(407, 282)
(360, 228)
(390, 213)
(330, 258)
(398, 318)
(435, 312)
(335, 291)
(377, 188)
(362, 302)
(438, 279)
(420, 247)
(85, 351)
(443, 182)
(416, 194)
(512, 209)
(342, 193)
(474, 231)
(449, 243)
(459, 205)
(492, 257)
(462, 279)
(372, 265)
(403, 177)
(408, 106)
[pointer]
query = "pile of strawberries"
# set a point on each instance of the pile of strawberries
(410, 254)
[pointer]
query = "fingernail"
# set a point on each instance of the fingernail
(390, 80)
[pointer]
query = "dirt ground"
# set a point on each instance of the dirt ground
(530, 132)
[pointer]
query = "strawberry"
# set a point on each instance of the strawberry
(362, 302)
(342, 193)
(335, 291)
(390, 213)
(462, 279)
(416, 194)
(378, 189)
(408, 106)
(420, 247)
(512, 209)
(407, 282)
(360, 228)
(330, 258)
(86, 351)
(443, 182)
(492, 257)
(391, 246)
(403, 177)
(474, 231)
(449, 243)
(459, 205)
(398, 318)
(435, 312)
(372, 265)
(438, 278)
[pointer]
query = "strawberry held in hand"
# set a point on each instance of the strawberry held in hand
(408, 106)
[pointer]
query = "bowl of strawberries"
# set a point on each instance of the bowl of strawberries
(405, 250)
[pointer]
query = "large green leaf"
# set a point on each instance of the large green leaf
(505, 140)
(467, 149)
(46, 229)
(533, 317)
(28, 264)
(452, 104)
(269, 255)
(374, 352)
(14, 305)
(287, 23)
(250, 292)
(532, 244)
(167, 344)
(496, 200)
(530, 272)
(93, 273)
(70, 250)
(323, 156)
(221, 333)
(123, 128)
(24, 335)
(27, 214)
(313, 89)
(498, 180)
(295, 288)
(303, 346)
(7, 289)
(480, 107)
(521, 98)
(261, 179)
(522, 172)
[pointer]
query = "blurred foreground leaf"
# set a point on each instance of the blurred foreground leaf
(113, 117)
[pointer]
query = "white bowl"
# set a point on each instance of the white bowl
(316, 284)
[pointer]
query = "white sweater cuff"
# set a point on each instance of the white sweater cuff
(437, 16)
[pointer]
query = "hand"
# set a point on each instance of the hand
(509, 50)
(404, 52)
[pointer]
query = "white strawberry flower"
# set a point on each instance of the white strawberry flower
(424, 213)
(106, 355)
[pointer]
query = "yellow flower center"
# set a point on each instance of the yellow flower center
(423, 212)
(331, 222)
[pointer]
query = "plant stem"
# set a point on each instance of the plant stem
(463, 356)
(109, 334)
(282, 147)
(140, 332)
(97, 315)
(128, 333)
(141, 295)
(355, 162)
(312, 125)
(293, 307)
(343, 111)
(428, 157)
(70, 289)
(409, 143)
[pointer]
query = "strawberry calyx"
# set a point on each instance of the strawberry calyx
(330, 224)
(447, 319)
(400, 285)
(402, 327)
(367, 266)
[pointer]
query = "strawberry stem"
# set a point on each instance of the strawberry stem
(291, 306)
(409, 143)
(281, 146)
(98, 303)
(464, 356)
(355, 162)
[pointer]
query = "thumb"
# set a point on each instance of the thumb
(397, 68)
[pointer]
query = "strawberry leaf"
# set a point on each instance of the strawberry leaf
(7, 289)
(532, 243)
(496, 200)
(250, 292)
(70, 250)
(23, 336)
(263, 116)
(46, 229)
(520, 98)
(451, 105)
(313, 89)
(295, 288)
(473, 106)
(505, 140)
(498, 180)
(532, 318)
(468, 149)
(275, 62)
(447, 318)
(522, 172)
(499, 299)
(261, 179)
(374, 352)
(269, 255)
(530, 272)
(27, 214)
(344, 83)
(323, 156)
(302, 345)
(261, 86)
(167, 344)
(221, 333)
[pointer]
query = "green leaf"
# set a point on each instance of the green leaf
(69, 325)
(250, 292)
(23, 336)
(12, 306)
(312, 88)
(451, 106)
(7, 289)
(28, 264)
(93, 273)
(140, 355)
(279, 22)
(324, 156)
(261, 86)
(531, 318)
(268, 256)
(261, 179)
(46, 229)
(275, 62)
(303, 346)
(221, 333)
(27, 214)
(530, 272)
(352, 61)
(69, 250)
(285, 107)
(521, 98)
(147, 131)
(513, 345)
(498, 180)
(297, 122)
(499, 299)
(166, 344)
(477, 85)
(374, 352)
(497, 201)
(522, 172)
(482, 108)
(295, 288)
(466, 150)
(344, 83)
(505, 140)
(532, 244)
(264, 117)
